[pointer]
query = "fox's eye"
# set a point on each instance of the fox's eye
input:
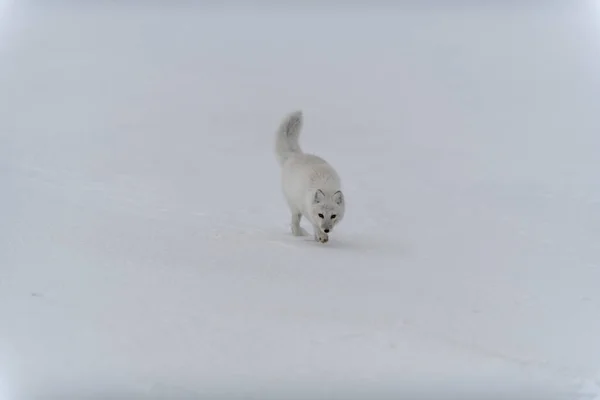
(333, 216)
(321, 216)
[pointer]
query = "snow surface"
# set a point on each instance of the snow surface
(144, 243)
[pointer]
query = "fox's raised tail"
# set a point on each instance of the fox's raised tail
(286, 142)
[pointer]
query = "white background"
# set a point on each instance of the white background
(144, 241)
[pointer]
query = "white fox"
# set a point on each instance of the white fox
(311, 186)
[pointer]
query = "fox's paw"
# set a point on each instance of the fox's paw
(321, 237)
(299, 231)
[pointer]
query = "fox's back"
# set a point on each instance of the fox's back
(303, 172)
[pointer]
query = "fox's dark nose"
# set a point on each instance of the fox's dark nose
(326, 230)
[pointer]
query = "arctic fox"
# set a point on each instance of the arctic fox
(311, 186)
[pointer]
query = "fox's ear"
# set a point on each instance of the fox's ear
(338, 197)
(319, 196)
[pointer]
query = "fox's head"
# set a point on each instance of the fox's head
(327, 209)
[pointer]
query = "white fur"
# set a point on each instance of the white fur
(311, 186)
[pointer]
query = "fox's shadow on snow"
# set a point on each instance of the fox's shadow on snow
(356, 243)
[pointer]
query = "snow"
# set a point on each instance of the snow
(145, 249)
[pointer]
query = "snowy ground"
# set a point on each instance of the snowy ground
(144, 245)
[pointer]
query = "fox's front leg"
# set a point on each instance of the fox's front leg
(297, 230)
(320, 236)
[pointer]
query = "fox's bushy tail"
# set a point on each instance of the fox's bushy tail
(286, 142)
